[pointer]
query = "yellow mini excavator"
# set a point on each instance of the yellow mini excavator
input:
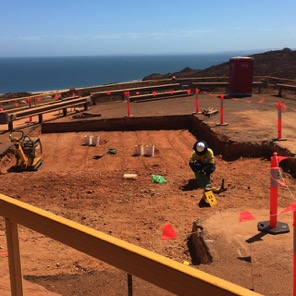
(28, 151)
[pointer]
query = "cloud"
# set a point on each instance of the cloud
(28, 38)
(134, 35)
(128, 35)
(16, 38)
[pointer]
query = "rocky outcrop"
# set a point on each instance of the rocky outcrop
(277, 63)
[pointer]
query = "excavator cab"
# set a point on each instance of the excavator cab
(28, 151)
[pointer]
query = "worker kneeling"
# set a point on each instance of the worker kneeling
(202, 163)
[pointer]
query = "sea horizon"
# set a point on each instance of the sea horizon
(38, 74)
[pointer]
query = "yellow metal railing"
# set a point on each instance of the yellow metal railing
(154, 268)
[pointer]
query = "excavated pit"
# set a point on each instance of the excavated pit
(199, 251)
(222, 145)
(229, 150)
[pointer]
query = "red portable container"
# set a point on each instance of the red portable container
(241, 76)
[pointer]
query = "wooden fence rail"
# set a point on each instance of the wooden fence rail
(282, 87)
(154, 268)
(160, 95)
(9, 117)
(133, 91)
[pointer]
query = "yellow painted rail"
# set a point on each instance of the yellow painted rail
(154, 268)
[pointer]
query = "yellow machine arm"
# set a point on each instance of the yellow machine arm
(23, 159)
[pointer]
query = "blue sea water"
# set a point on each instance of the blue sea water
(50, 73)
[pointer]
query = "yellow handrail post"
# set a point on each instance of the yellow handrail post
(14, 258)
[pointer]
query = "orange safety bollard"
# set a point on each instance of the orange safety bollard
(127, 96)
(273, 226)
(196, 101)
(279, 125)
(222, 111)
(294, 255)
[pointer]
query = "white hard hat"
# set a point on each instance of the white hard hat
(200, 147)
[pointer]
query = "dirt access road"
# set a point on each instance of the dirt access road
(93, 192)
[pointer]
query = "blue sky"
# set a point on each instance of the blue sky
(109, 27)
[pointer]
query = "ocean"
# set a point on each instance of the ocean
(31, 74)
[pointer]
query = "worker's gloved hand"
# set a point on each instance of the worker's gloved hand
(195, 166)
(209, 168)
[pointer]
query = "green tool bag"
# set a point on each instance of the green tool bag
(158, 179)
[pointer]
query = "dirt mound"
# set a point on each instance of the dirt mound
(278, 63)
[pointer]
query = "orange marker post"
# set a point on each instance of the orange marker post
(294, 255)
(196, 101)
(127, 96)
(279, 123)
(279, 105)
(222, 111)
(274, 176)
(128, 107)
(273, 226)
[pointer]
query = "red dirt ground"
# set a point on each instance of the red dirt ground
(93, 192)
